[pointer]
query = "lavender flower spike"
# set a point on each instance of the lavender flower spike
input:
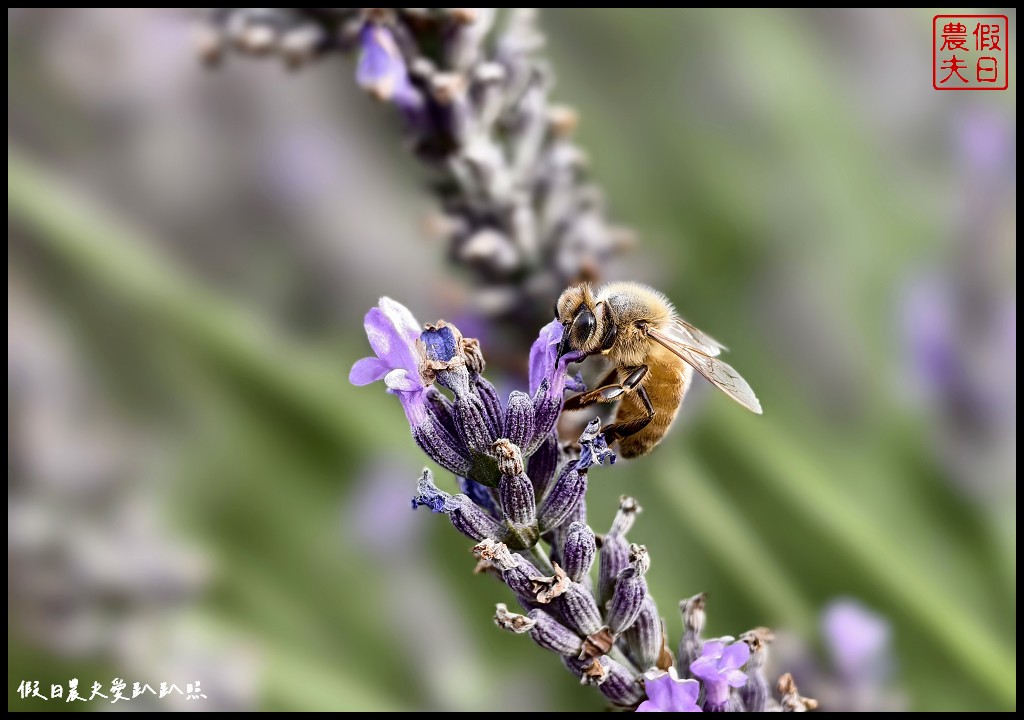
(519, 499)
(718, 669)
(667, 693)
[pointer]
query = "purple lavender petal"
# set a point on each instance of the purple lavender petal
(659, 691)
(367, 370)
(705, 669)
(648, 706)
(684, 695)
(543, 353)
(713, 648)
(667, 693)
(388, 340)
(735, 656)
(736, 678)
(400, 380)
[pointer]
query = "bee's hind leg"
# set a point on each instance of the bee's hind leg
(617, 431)
(608, 391)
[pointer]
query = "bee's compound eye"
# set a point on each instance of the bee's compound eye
(583, 326)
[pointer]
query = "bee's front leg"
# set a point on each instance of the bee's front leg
(608, 391)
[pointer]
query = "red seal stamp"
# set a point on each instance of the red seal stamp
(970, 52)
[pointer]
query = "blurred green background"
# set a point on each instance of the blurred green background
(196, 493)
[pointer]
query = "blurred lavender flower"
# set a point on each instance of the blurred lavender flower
(94, 571)
(523, 504)
(959, 319)
(857, 639)
(517, 207)
(858, 673)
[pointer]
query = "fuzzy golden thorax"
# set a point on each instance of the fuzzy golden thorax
(632, 308)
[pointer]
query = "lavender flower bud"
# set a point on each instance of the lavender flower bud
(755, 693)
(578, 551)
(621, 687)
(441, 447)
(630, 591)
(615, 548)
(614, 681)
(491, 404)
(440, 407)
(519, 419)
(517, 572)
(547, 406)
(515, 494)
(562, 498)
(465, 515)
(543, 463)
(691, 645)
(553, 635)
(613, 560)
(556, 538)
(645, 638)
(472, 420)
(578, 610)
(514, 490)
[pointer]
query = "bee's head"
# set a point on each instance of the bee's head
(582, 319)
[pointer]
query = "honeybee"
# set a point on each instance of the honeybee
(653, 352)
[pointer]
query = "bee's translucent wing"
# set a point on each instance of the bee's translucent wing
(686, 334)
(718, 373)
